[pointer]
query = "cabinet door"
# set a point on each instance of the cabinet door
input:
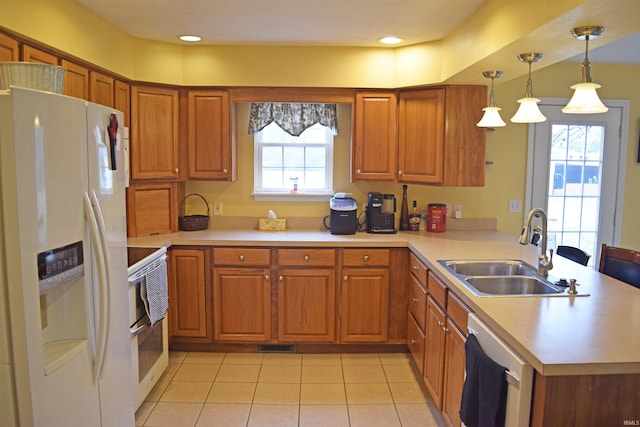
(9, 49)
(434, 351)
(189, 303)
(306, 305)
(421, 140)
(101, 89)
(31, 54)
(242, 299)
(152, 208)
(415, 342)
(364, 305)
(122, 99)
(453, 374)
(154, 133)
(76, 80)
(210, 145)
(375, 137)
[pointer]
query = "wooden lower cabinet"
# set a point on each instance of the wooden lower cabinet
(189, 296)
(364, 305)
(415, 342)
(454, 369)
(242, 304)
(434, 350)
(306, 305)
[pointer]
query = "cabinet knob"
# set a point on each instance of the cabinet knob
(440, 324)
(358, 172)
(399, 173)
(445, 330)
(366, 257)
(306, 257)
(281, 278)
(225, 171)
(413, 341)
(266, 277)
(241, 257)
(177, 170)
(415, 268)
(345, 277)
(415, 299)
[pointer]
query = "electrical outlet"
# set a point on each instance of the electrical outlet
(217, 208)
(515, 206)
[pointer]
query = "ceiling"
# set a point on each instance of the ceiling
(354, 23)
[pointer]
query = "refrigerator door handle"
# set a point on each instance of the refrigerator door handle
(103, 332)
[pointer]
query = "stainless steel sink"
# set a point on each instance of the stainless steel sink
(513, 285)
(491, 268)
(510, 277)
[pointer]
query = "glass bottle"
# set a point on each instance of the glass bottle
(414, 218)
(404, 212)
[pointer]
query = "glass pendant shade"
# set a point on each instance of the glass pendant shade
(528, 112)
(491, 118)
(585, 100)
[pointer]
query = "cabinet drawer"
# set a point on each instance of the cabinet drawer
(365, 257)
(438, 290)
(417, 301)
(418, 269)
(415, 342)
(303, 257)
(458, 312)
(242, 256)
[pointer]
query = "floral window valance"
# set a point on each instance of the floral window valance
(293, 118)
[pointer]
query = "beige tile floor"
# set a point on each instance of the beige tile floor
(268, 389)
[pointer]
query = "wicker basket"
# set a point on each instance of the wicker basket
(32, 75)
(193, 222)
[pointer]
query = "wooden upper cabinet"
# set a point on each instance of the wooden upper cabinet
(32, 54)
(122, 99)
(9, 49)
(211, 149)
(439, 142)
(101, 89)
(76, 80)
(421, 140)
(375, 137)
(154, 133)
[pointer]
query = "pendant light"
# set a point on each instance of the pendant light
(491, 118)
(585, 99)
(528, 112)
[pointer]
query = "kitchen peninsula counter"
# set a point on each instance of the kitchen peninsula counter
(583, 335)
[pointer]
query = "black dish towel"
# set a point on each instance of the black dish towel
(484, 394)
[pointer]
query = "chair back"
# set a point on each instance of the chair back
(622, 264)
(574, 254)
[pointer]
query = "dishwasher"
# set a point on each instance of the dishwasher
(519, 373)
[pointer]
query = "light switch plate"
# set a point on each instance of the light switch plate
(515, 206)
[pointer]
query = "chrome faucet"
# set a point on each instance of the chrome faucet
(544, 264)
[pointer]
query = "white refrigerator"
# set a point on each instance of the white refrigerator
(65, 351)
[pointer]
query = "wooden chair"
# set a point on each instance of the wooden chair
(622, 264)
(574, 254)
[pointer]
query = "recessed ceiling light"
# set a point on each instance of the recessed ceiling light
(390, 40)
(190, 38)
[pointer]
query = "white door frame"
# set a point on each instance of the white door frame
(621, 161)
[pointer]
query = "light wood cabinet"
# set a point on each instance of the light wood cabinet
(32, 54)
(439, 142)
(189, 296)
(434, 351)
(242, 295)
(122, 99)
(417, 310)
(9, 49)
(375, 137)
(211, 146)
(454, 371)
(152, 208)
(154, 133)
(76, 80)
(101, 89)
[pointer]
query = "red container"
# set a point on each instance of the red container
(437, 217)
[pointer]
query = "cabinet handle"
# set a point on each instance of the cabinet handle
(177, 170)
(225, 171)
(415, 268)
(241, 257)
(445, 330)
(306, 257)
(413, 341)
(345, 278)
(266, 277)
(358, 172)
(366, 258)
(281, 278)
(440, 324)
(399, 173)
(414, 299)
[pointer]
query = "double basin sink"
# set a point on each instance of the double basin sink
(502, 278)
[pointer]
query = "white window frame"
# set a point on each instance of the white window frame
(266, 194)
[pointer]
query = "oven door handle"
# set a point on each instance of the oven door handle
(139, 326)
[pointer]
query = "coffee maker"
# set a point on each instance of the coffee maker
(381, 213)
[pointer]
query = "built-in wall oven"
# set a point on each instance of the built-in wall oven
(149, 344)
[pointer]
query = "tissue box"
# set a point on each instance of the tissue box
(272, 224)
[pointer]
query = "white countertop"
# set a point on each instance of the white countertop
(595, 334)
